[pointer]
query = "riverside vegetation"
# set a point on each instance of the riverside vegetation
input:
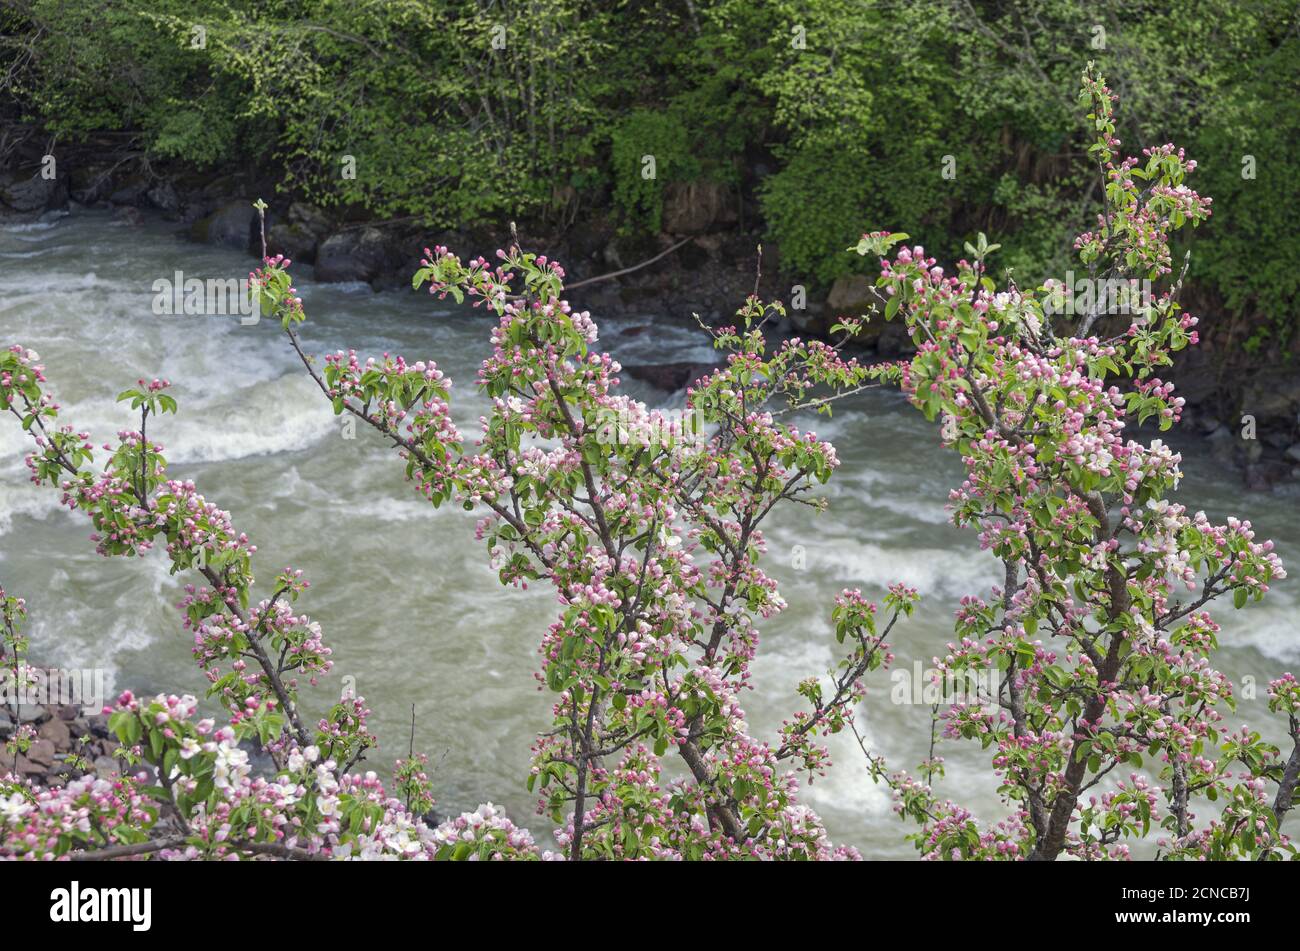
(779, 115)
(1105, 725)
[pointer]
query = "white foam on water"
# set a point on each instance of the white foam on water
(1269, 628)
(848, 786)
(18, 500)
(27, 227)
(284, 415)
(934, 572)
(378, 508)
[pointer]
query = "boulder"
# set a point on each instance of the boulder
(32, 713)
(291, 241)
(694, 207)
(129, 216)
(586, 244)
(42, 752)
(130, 191)
(1223, 446)
(90, 183)
(1273, 396)
(34, 193)
(163, 197)
(309, 219)
(893, 341)
(669, 376)
(98, 725)
(358, 254)
(231, 226)
(1262, 476)
(56, 731)
(809, 321)
(851, 295)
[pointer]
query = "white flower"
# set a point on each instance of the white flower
(231, 766)
(189, 746)
(312, 754)
(14, 807)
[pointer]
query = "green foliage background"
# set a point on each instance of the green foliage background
(830, 116)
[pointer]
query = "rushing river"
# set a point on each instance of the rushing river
(407, 600)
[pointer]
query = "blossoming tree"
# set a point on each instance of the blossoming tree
(189, 789)
(1107, 718)
(648, 528)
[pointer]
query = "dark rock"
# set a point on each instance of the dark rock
(42, 752)
(57, 732)
(693, 256)
(291, 241)
(34, 193)
(741, 250)
(694, 207)
(310, 220)
(398, 266)
(1209, 424)
(1222, 445)
(129, 216)
(68, 712)
(90, 183)
(27, 768)
(1273, 396)
(851, 295)
(810, 320)
(163, 197)
(32, 713)
(358, 254)
(1294, 452)
(669, 376)
(894, 341)
(1260, 478)
(585, 244)
(230, 226)
(638, 331)
(98, 725)
(107, 768)
(130, 191)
